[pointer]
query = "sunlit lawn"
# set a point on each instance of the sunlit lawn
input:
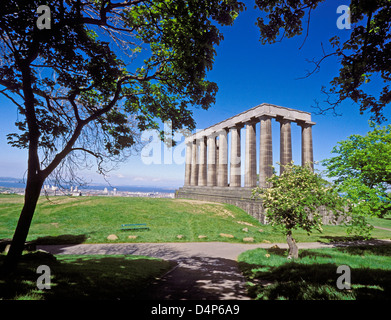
(93, 219)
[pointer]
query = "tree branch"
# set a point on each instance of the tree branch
(308, 28)
(9, 97)
(75, 109)
(98, 156)
(68, 147)
(317, 63)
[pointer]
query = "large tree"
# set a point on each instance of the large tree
(361, 168)
(87, 79)
(363, 57)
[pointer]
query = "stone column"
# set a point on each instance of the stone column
(307, 155)
(235, 163)
(188, 164)
(250, 179)
(265, 151)
(212, 181)
(194, 164)
(217, 157)
(222, 167)
(202, 163)
(285, 143)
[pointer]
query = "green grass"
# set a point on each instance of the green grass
(313, 276)
(88, 277)
(381, 222)
(92, 219)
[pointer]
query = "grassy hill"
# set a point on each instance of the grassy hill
(93, 219)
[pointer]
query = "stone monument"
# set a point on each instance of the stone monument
(213, 175)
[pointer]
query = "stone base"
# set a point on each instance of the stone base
(240, 197)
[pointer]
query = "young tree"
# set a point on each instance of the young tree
(362, 171)
(365, 56)
(78, 76)
(296, 200)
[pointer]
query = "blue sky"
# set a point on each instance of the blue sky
(248, 74)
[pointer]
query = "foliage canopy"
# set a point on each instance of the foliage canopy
(362, 170)
(363, 57)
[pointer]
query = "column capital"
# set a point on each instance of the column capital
(265, 117)
(305, 124)
(283, 120)
(251, 121)
(238, 126)
(202, 138)
(189, 140)
(212, 134)
(222, 130)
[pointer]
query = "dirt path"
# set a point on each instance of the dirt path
(204, 270)
(199, 278)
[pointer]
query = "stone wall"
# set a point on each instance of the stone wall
(241, 197)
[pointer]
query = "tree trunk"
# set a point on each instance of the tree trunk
(293, 249)
(33, 189)
(35, 178)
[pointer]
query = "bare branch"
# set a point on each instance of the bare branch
(317, 63)
(308, 28)
(332, 105)
(9, 97)
(96, 155)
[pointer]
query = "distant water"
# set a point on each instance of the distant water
(132, 189)
(7, 184)
(13, 184)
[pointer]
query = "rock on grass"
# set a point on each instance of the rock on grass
(112, 237)
(226, 235)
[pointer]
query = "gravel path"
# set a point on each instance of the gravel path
(176, 250)
(204, 270)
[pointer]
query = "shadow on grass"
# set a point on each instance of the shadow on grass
(313, 254)
(83, 277)
(302, 253)
(298, 280)
(199, 278)
(277, 251)
(362, 250)
(48, 240)
(61, 239)
(331, 239)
